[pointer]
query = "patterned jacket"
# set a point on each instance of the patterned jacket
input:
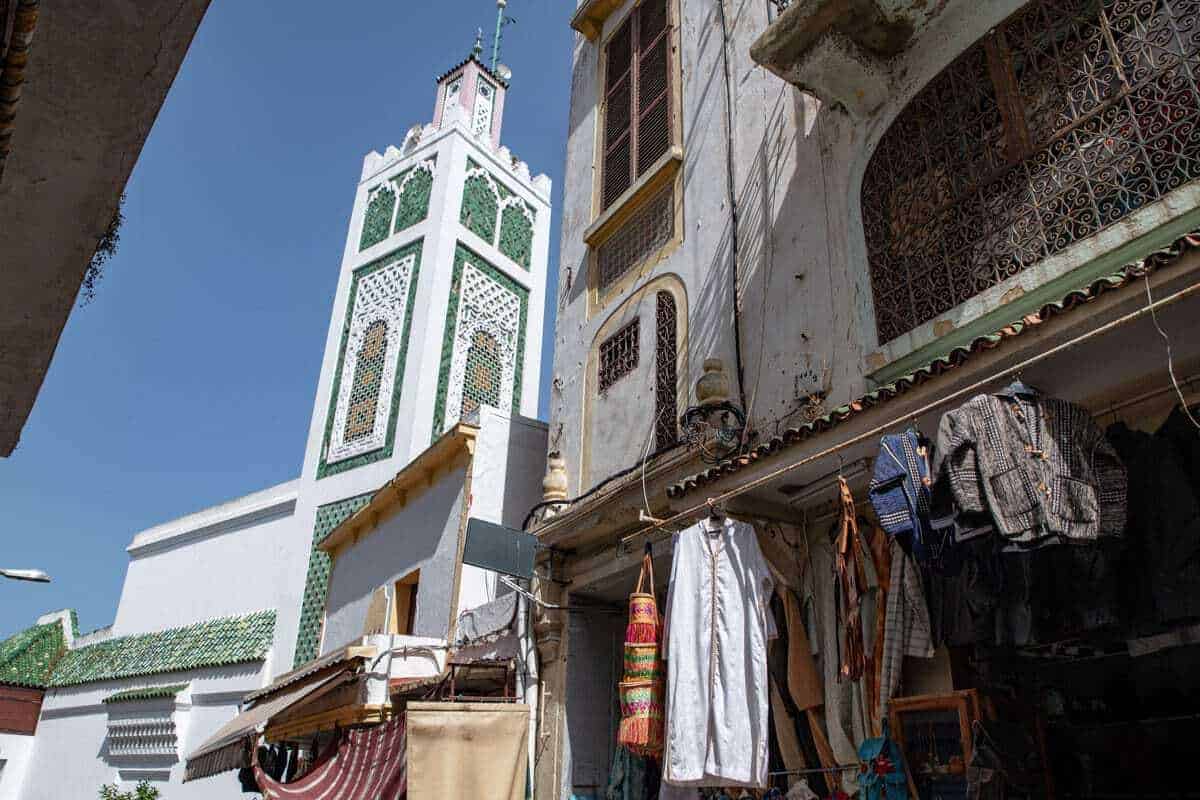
(899, 490)
(1041, 466)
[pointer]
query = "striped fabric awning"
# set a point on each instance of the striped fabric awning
(369, 764)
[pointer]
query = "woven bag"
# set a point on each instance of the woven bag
(641, 731)
(641, 691)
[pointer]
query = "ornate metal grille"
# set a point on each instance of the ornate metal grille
(646, 232)
(1057, 124)
(368, 376)
(481, 384)
(619, 354)
(637, 98)
(666, 410)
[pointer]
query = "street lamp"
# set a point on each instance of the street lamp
(35, 575)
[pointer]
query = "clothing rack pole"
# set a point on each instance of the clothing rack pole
(814, 770)
(688, 513)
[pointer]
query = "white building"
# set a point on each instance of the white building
(432, 359)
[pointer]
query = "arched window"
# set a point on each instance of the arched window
(377, 222)
(1060, 122)
(666, 411)
(479, 208)
(516, 234)
(481, 384)
(368, 371)
(414, 199)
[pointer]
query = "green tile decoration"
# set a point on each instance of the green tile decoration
(213, 643)
(28, 658)
(415, 188)
(377, 221)
(516, 233)
(479, 207)
(146, 693)
(326, 468)
(316, 585)
(461, 255)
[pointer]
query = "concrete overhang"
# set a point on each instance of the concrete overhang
(421, 473)
(841, 50)
(590, 16)
(91, 87)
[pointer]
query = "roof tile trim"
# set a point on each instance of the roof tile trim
(146, 693)
(29, 657)
(955, 358)
(214, 643)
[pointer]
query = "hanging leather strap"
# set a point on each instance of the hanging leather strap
(851, 577)
(647, 569)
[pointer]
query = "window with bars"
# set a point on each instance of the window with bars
(619, 354)
(481, 384)
(637, 98)
(1059, 123)
(666, 430)
(649, 230)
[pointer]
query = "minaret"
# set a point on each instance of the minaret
(439, 302)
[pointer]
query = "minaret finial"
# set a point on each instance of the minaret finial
(501, 21)
(478, 48)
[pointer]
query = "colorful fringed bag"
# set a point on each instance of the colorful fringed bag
(641, 691)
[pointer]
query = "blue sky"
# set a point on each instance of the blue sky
(190, 379)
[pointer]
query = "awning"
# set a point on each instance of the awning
(369, 764)
(229, 748)
(343, 655)
(467, 750)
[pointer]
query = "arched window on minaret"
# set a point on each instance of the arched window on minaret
(479, 209)
(368, 371)
(377, 222)
(481, 384)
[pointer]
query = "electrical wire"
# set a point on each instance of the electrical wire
(1170, 362)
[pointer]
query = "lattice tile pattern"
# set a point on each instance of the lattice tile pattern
(415, 188)
(316, 585)
(649, 230)
(493, 213)
(619, 354)
(366, 389)
(400, 203)
(377, 221)
(1056, 125)
(482, 301)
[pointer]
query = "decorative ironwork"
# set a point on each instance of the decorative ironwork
(666, 409)
(715, 430)
(619, 354)
(649, 230)
(1057, 124)
(637, 98)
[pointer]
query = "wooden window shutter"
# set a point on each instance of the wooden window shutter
(617, 170)
(653, 129)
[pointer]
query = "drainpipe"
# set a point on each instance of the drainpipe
(527, 679)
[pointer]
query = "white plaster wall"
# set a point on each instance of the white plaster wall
(15, 756)
(70, 762)
(422, 535)
(183, 571)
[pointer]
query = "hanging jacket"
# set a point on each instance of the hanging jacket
(1041, 466)
(900, 490)
(883, 775)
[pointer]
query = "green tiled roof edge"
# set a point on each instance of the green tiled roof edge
(27, 658)
(214, 643)
(146, 693)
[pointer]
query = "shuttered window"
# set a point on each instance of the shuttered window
(637, 98)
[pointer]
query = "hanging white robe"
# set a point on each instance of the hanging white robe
(717, 627)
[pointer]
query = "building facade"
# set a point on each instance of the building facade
(434, 339)
(866, 212)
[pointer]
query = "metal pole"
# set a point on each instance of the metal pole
(500, 6)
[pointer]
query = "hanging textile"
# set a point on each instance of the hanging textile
(852, 581)
(641, 690)
(883, 775)
(906, 630)
(880, 550)
(1041, 466)
(466, 751)
(717, 627)
(368, 764)
(803, 680)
